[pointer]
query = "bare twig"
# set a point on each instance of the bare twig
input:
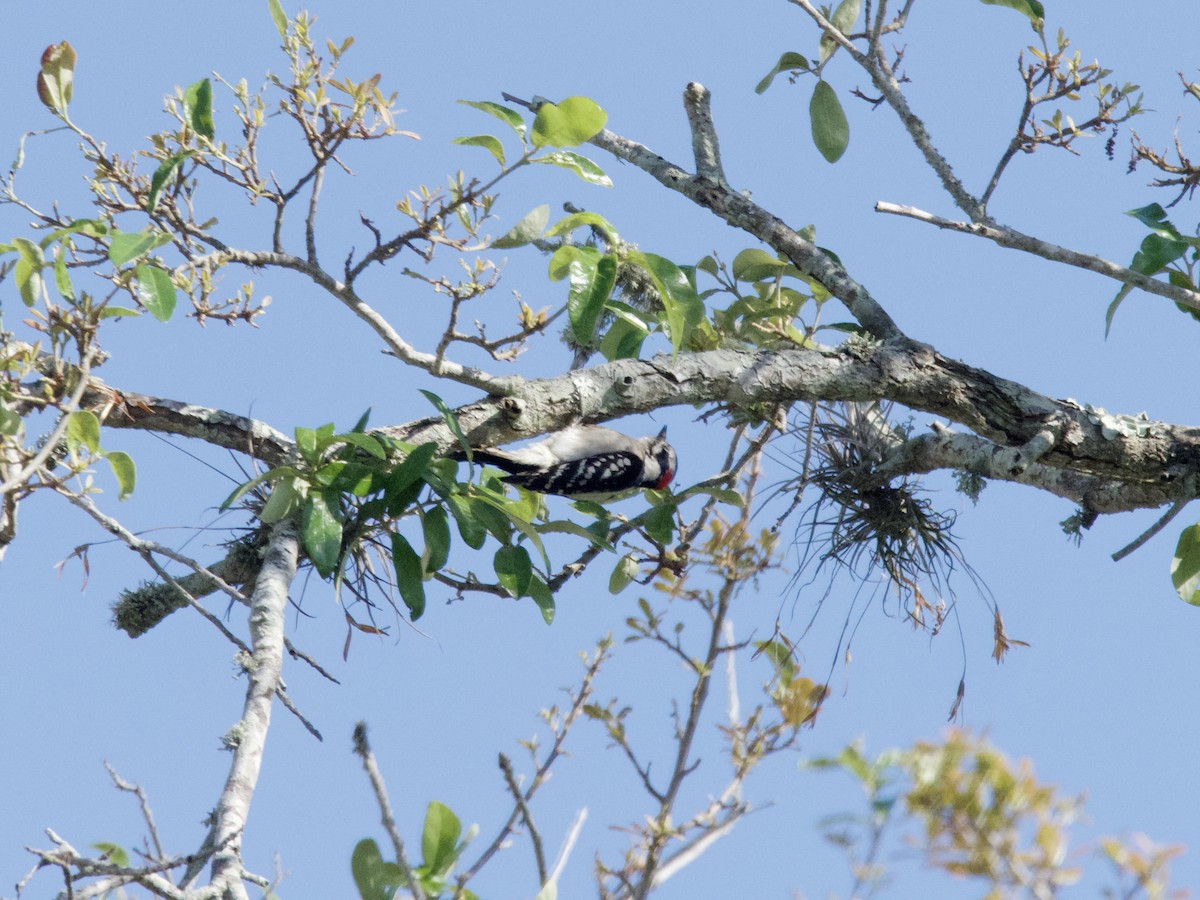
(543, 770)
(1159, 525)
(510, 781)
(1008, 237)
(54, 439)
(564, 854)
(363, 749)
(136, 790)
(876, 65)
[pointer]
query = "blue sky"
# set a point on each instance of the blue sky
(1100, 700)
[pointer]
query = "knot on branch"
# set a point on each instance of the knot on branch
(512, 409)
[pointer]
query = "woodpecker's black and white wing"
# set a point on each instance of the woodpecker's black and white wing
(586, 460)
(603, 473)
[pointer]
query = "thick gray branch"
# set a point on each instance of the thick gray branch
(1089, 462)
(1148, 462)
(122, 409)
(946, 449)
(740, 212)
(248, 738)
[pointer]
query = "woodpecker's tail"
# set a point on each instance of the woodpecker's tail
(500, 460)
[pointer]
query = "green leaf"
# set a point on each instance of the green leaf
(281, 25)
(125, 471)
(846, 15)
(722, 495)
(156, 291)
(527, 506)
(129, 245)
(10, 422)
(501, 515)
(509, 117)
(1185, 567)
(365, 442)
(626, 570)
(580, 165)
(28, 270)
(409, 472)
(322, 531)
(570, 123)
(683, 307)
(1032, 9)
(198, 100)
(113, 853)
(843, 20)
(1158, 250)
(1152, 216)
(563, 258)
(351, 476)
(590, 289)
(623, 340)
(1112, 307)
(450, 419)
(549, 891)
(306, 443)
(56, 80)
(1181, 280)
(374, 878)
(162, 174)
(789, 62)
(514, 569)
(830, 130)
(492, 513)
(589, 219)
(62, 280)
(439, 838)
(755, 264)
(780, 656)
(284, 500)
(83, 430)
(529, 229)
(410, 576)
(542, 596)
(489, 142)
(436, 526)
(470, 528)
(93, 228)
(1156, 253)
(633, 316)
(659, 523)
(265, 477)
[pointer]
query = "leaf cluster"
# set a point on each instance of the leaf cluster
(442, 844)
(980, 817)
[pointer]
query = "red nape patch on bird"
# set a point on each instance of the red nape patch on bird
(664, 480)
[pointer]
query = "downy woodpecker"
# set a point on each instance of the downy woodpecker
(586, 460)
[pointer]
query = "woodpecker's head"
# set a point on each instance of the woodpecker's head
(664, 455)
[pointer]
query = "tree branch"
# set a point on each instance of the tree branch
(1142, 465)
(740, 212)
(884, 79)
(362, 747)
(344, 293)
(248, 738)
(1016, 240)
